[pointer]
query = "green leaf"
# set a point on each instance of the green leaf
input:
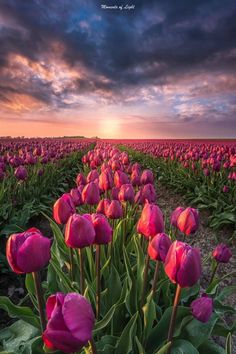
(163, 350)
(125, 343)
(21, 312)
(181, 346)
(19, 338)
(158, 334)
(149, 312)
(139, 345)
(226, 292)
(203, 330)
(211, 348)
(228, 344)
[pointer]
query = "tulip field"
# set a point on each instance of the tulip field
(97, 265)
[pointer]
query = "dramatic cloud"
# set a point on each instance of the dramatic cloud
(164, 68)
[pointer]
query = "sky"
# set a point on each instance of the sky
(160, 69)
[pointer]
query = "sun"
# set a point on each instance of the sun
(109, 128)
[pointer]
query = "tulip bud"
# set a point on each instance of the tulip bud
(102, 228)
(21, 173)
(28, 252)
(92, 176)
(91, 194)
(159, 246)
(148, 193)
(188, 221)
(222, 253)
(202, 308)
(225, 189)
(79, 232)
(115, 193)
(183, 264)
(114, 210)
(70, 322)
(126, 193)
(63, 208)
(175, 214)
(147, 177)
(151, 221)
(135, 178)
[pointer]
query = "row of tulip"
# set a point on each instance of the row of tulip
(120, 279)
(205, 173)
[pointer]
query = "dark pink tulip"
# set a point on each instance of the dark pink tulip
(135, 178)
(147, 177)
(63, 208)
(102, 228)
(115, 193)
(159, 246)
(92, 176)
(79, 232)
(76, 196)
(206, 172)
(148, 193)
(80, 179)
(114, 210)
(183, 264)
(91, 194)
(136, 166)
(120, 178)
(225, 189)
(202, 308)
(105, 181)
(126, 193)
(175, 214)
(21, 173)
(151, 221)
(102, 206)
(188, 221)
(28, 251)
(70, 322)
(116, 165)
(222, 253)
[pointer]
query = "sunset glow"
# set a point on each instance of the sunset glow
(165, 70)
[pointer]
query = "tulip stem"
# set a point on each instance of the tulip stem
(125, 215)
(155, 278)
(40, 299)
(81, 263)
(173, 317)
(93, 346)
(71, 264)
(145, 278)
(214, 273)
(98, 295)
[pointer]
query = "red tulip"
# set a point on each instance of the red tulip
(92, 176)
(70, 322)
(114, 210)
(63, 208)
(147, 177)
(80, 179)
(175, 214)
(76, 196)
(105, 180)
(183, 264)
(102, 206)
(115, 193)
(28, 252)
(222, 253)
(126, 193)
(120, 178)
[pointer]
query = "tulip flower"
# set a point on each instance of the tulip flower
(221, 254)
(120, 178)
(76, 196)
(105, 181)
(183, 264)
(80, 179)
(102, 206)
(202, 308)
(147, 177)
(29, 252)
(135, 178)
(183, 267)
(188, 221)
(90, 194)
(21, 173)
(151, 221)
(175, 214)
(63, 208)
(70, 322)
(114, 210)
(159, 246)
(148, 193)
(92, 176)
(126, 193)
(115, 193)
